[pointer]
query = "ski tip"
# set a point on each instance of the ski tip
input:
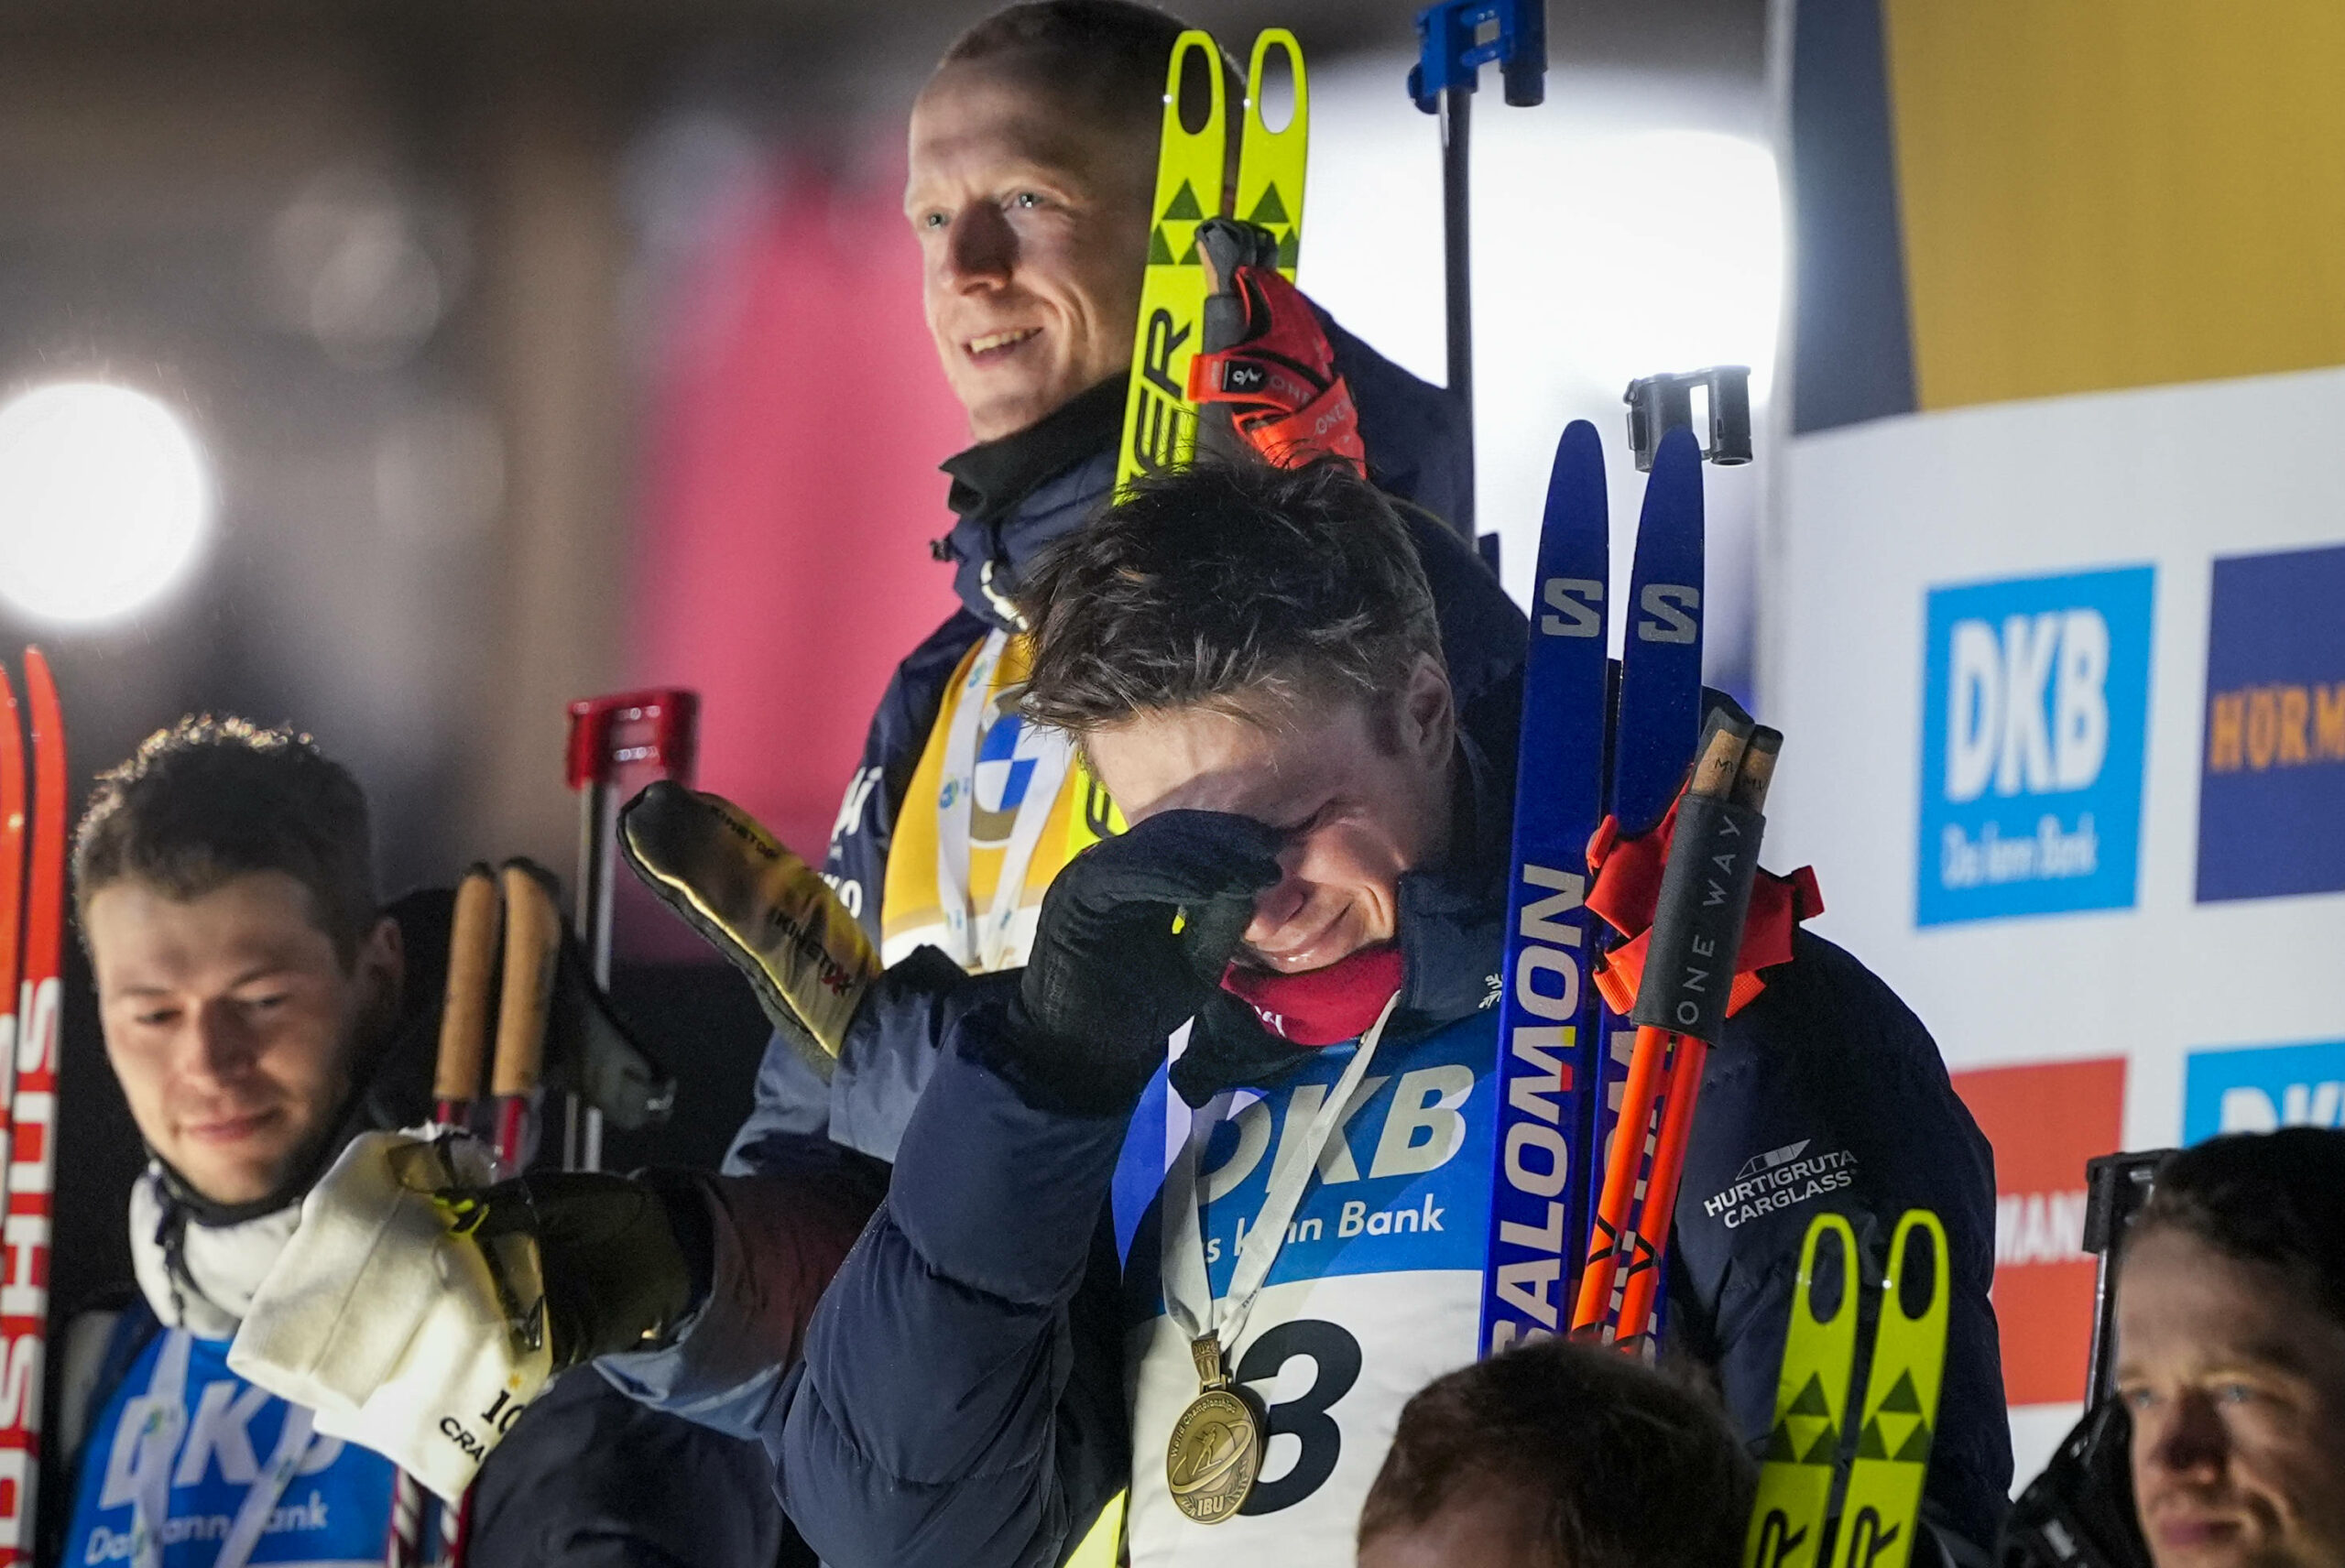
(1679, 447)
(1580, 460)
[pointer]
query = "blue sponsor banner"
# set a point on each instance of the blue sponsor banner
(2272, 772)
(2262, 1088)
(2035, 712)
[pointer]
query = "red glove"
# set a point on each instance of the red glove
(1278, 377)
(1628, 886)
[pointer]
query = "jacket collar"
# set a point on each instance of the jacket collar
(1453, 915)
(1015, 496)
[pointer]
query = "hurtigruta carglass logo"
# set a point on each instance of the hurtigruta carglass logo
(2035, 708)
(2263, 1089)
(2272, 765)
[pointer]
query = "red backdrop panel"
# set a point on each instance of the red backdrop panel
(2045, 1122)
(791, 491)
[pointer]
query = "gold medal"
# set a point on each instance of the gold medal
(1216, 1447)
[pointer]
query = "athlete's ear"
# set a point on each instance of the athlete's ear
(380, 970)
(1428, 713)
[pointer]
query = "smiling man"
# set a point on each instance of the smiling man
(2231, 1353)
(260, 1009)
(1032, 156)
(1216, 1280)
(1031, 160)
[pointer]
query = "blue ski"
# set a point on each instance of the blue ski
(1658, 717)
(1547, 1008)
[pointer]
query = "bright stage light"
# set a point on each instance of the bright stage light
(104, 501)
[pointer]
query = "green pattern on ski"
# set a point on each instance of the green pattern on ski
(1271, 163)
(1160, 423)
(1900, 1406)
(1160, 426)
(1811, 1400)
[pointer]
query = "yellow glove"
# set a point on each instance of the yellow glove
(763, 908)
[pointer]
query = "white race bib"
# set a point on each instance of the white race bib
(1375, 1293)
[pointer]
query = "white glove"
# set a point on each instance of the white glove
(393, 1330)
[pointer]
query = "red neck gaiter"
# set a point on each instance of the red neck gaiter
(1320, 1006)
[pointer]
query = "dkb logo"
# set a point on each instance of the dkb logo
(2263, 1089)
(2034, 703)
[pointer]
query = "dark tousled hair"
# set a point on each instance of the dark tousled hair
(209, 799)
(1109, 54)
(2275, 1198)
(1235, 586)
(1628, 1468)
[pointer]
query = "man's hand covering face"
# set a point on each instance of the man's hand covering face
(1131, 943)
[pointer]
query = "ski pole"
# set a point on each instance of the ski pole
(533, 944)
(1654, 1215)
(1455, 40)
(658, 730)
(464, 1009)
(1611, 1235)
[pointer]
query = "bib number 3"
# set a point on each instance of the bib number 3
(1334, 1357)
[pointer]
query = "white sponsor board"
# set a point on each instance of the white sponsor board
(2032, 525)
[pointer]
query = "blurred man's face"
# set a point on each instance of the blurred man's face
(1487, 1524)
(232, 1023)
(1034, 234)
(2237, 1388)
(1362, 794)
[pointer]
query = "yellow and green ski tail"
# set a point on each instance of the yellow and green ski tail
(1271, 163)
(1900, 1411)
(1159, 427)
(1811, 1405)
(1160, 422)
(1897, 1413)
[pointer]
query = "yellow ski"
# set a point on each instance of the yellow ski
(1160, 428)
(1271, 163)
(1900, 1411)
(1811, 1404)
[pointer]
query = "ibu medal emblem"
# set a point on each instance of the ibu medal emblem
(1216, 1447)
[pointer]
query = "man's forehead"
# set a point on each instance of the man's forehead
(2188, 1305)
(1006, 111)
(141, 934)
(1204, 758)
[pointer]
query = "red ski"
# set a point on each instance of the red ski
(29, 1076)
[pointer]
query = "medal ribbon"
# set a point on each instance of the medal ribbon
(1188, 1289)
(987, 943)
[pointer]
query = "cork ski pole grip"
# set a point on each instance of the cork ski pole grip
(533, 944)
(1757, 773)
(465, 1004)
(1721, 755)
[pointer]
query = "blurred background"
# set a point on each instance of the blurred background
(452, 362)
(472, 359)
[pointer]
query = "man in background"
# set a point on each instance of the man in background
(2231, 1353)
(260, 1009)
(1558, 1456)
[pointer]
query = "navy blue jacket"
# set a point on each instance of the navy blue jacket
(1013, 497)
(962, 1395)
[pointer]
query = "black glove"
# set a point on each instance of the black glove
(625, 1258)
(1131, 942)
